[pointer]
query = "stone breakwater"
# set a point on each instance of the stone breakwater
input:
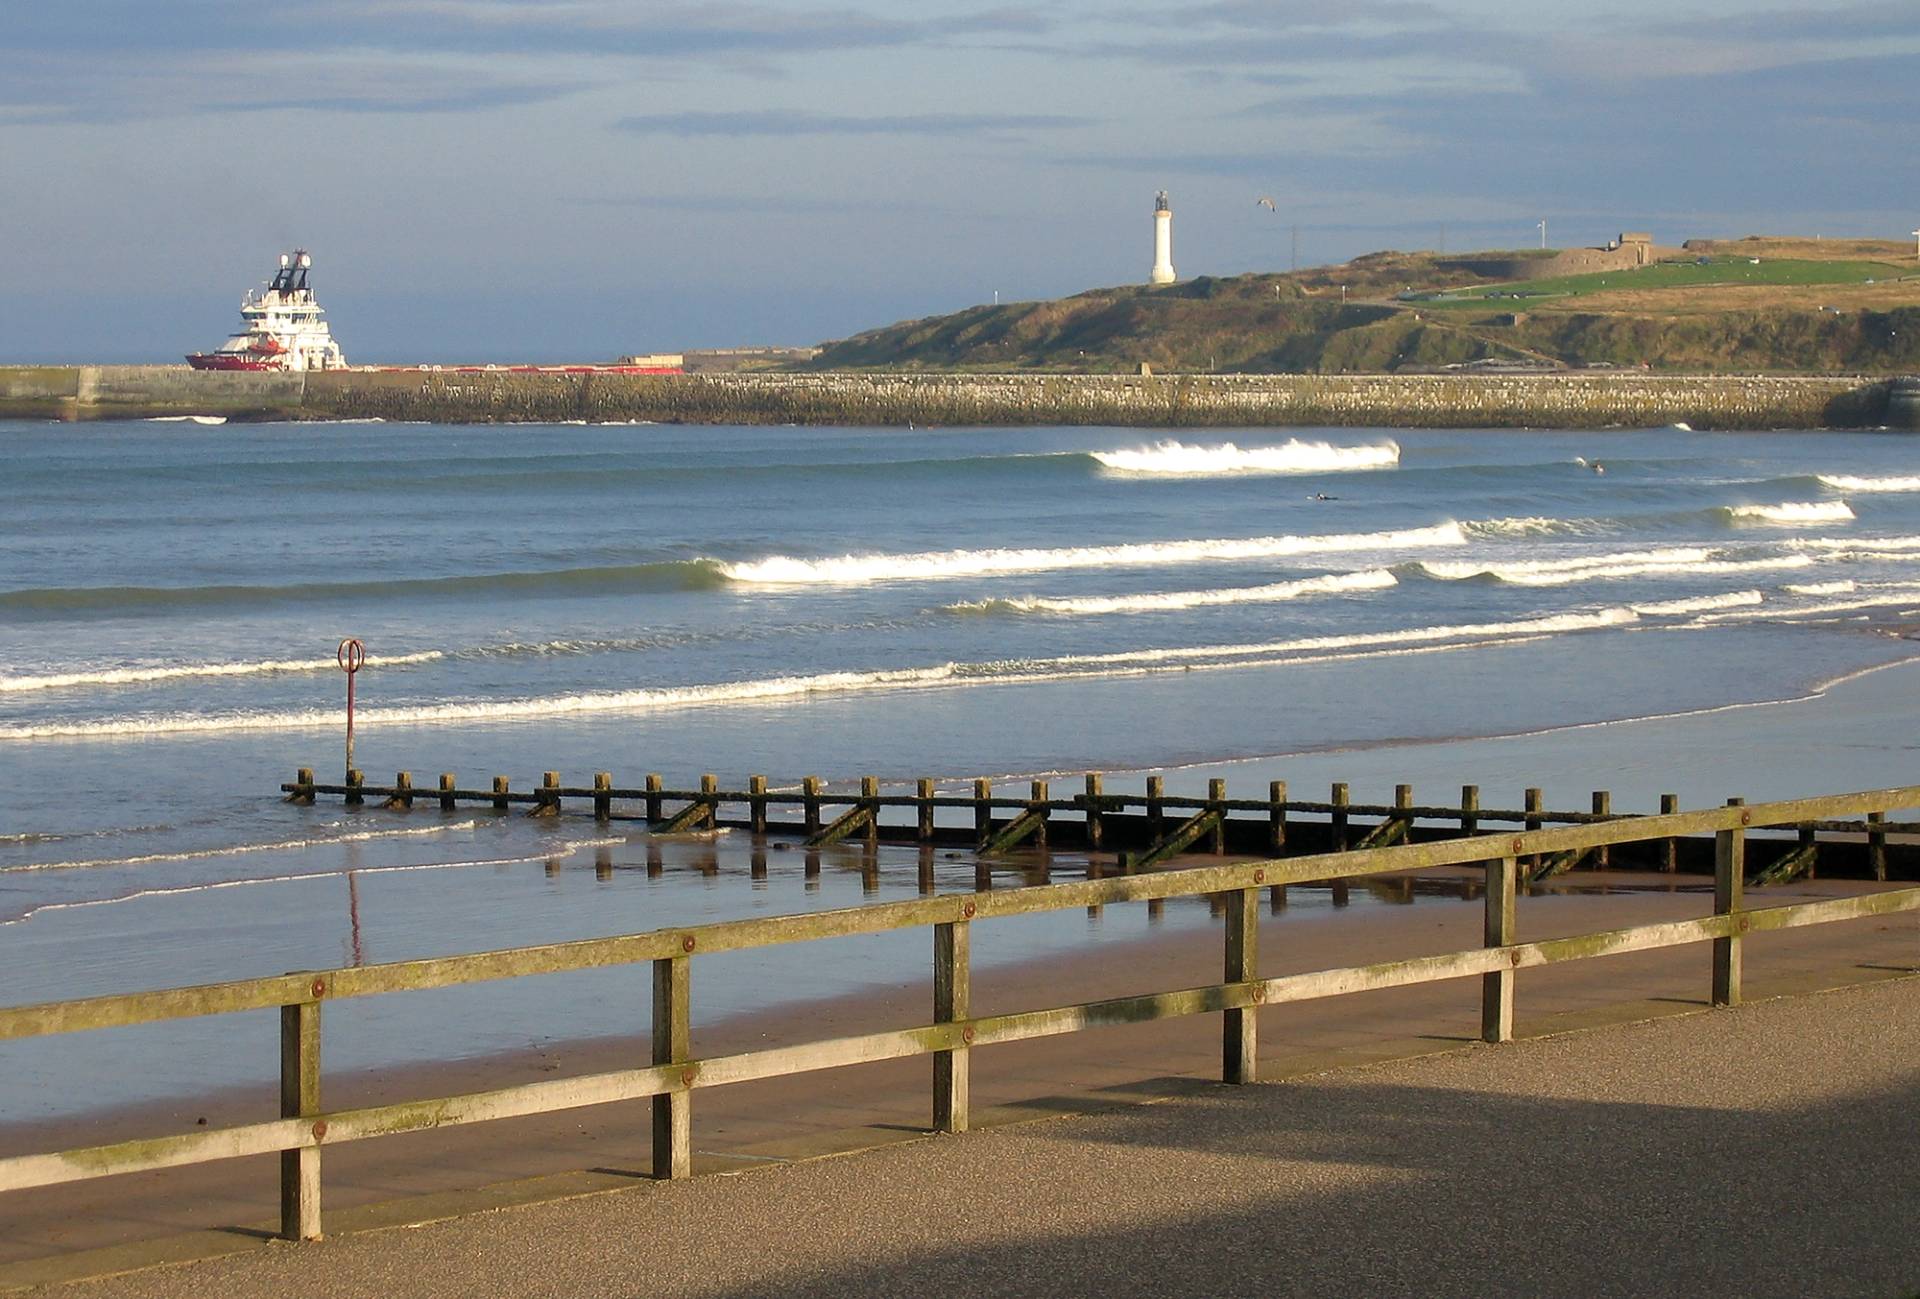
(1585, 400)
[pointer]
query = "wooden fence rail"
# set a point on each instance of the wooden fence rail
(305, 1128)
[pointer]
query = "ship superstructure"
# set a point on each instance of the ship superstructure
(282, 327)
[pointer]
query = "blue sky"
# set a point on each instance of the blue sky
(574, 179)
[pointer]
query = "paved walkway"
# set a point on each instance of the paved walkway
(1772, 1149)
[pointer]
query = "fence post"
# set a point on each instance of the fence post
(1156, 811)
(1216, 794)
(1038, 799)
(500, 790)
(1877, 845)
(1338, 824)
(952, 1002)
(1496, 986)
(299, 1099)
(1670, 861)
(302, 798)
(924, 792)
(355, 779)
(1277, 819)
(602, 801)
(1602, 806)
(546, 802)
(1094, 828)
(448, 783)
(757, 804)
(402, 797)
(1729, 882)
(673, 1110)
(1469, 810)
(1239, 1029)
(810, 804)
(652, 783)
(1402, 803)
(710, 795)
(982, 813)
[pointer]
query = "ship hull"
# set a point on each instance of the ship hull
(232, 361)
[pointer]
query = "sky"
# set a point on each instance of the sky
(545, 180)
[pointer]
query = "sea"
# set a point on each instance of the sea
(1647, 611)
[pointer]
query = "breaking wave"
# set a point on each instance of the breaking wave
(1672, 561)
(1848, 483)
(1790, 513)
(784, 570)
(1372, 579)
(1699, 604)
(1841, 587)
(1008, 672)
(140, 675)
(1173, 458)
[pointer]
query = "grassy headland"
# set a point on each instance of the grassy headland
(1727, 306)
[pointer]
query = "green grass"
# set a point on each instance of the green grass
(1670, 275)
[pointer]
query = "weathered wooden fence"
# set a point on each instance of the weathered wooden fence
(676, 1072)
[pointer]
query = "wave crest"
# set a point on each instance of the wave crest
(1372, 579)
(1181, 459)
(1849, 483)
(1790, 512)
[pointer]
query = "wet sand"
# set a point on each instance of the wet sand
(872, 1104)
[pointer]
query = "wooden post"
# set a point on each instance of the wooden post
(1037, 805)
(1534, 805)
(924, 792)
(870, 795)
(1670, 847)
(355, 779)
(548, 802)
(1095, 829)
(1402, 802)
(1338, 828)
(952, 1003)
(1216, 794)
(1469, 810)
(757, 804)
(1156, 811)
(299, 1099)
(810, 804)
(1602, 806)
(1729, 882)
(652, 783)
(1277, 823)
(1496, 986)
(500, 789)
(1877, 845)
(709, 790)
(1239, 1032)
(602, 801)
(982, 814)
(304, 776)
(402, 797)
(672, 1111)
(448, 783)
(1810, 845)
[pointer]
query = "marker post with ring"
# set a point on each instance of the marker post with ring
(351, 656)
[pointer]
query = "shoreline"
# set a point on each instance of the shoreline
(1559, 400)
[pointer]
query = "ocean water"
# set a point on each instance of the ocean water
(827, 601)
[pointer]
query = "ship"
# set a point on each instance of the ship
(282, 328)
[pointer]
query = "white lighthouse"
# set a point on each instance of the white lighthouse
(1162, 272)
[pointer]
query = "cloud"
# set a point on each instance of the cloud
(775, 123)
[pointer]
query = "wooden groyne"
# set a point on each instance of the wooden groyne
(1585, 399)
(306, 1128)
(1140, 831)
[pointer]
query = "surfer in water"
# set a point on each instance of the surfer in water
(1322, 496)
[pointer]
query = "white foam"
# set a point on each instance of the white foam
(281, 845)
(1841, 587)
(182, 419)
(1855, 543)
(784, 570)
(1792, 512)
(1513, 569)
(1134, 662)
(1677, 562)
(1849, 483)
(1372, 579)
(1903, 595)
(139, 675)
(1291, 457)
(1699, 604)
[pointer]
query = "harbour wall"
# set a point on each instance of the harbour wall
(1562, 400)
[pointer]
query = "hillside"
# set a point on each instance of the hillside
(1726, 305)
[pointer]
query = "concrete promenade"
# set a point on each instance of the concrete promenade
(1770, 1149)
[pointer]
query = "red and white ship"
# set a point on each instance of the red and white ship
(282, 328)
